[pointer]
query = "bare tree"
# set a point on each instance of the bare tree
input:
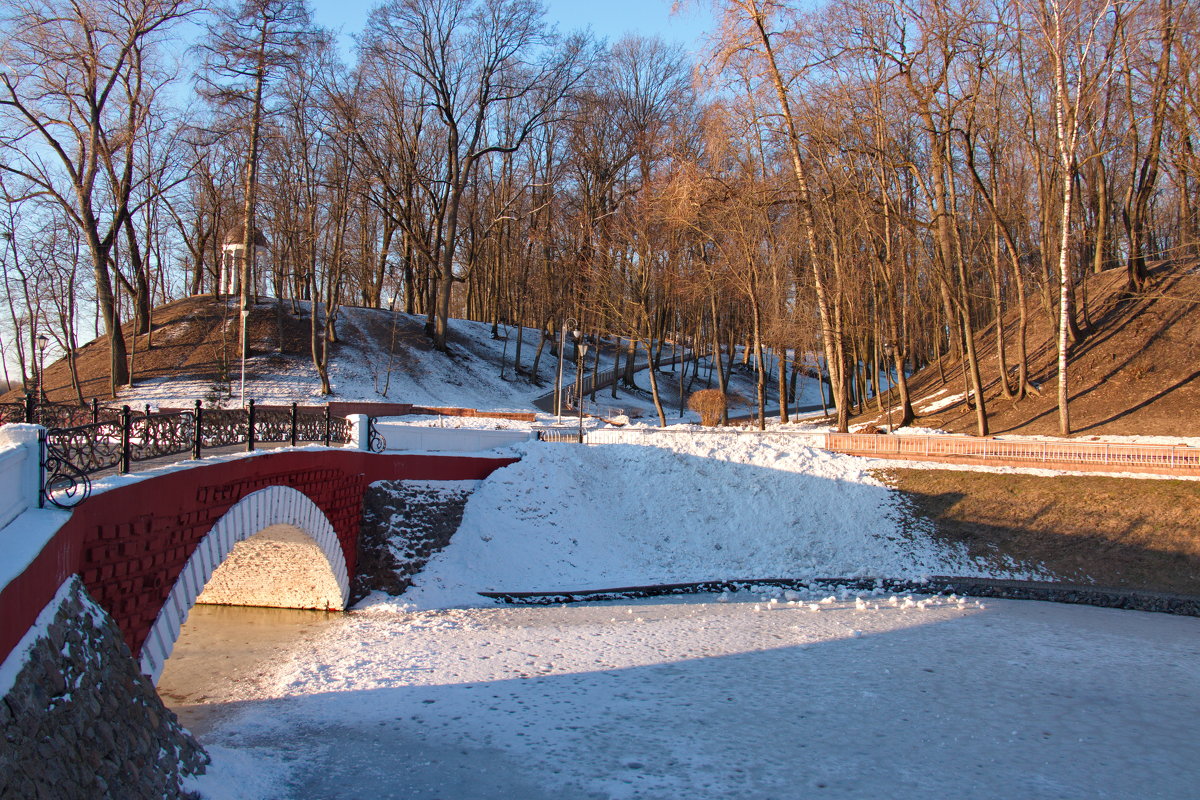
(77, 87)
(475, 62)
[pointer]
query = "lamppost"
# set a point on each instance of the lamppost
(504, 354)
(562, 346)
(245, 338)
(7, 237)
(580, 358)
(42, 341)
(889, 350)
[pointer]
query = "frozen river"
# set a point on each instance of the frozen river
(694, 698)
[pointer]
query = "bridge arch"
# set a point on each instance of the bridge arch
(278, 515)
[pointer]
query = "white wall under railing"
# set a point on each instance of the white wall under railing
(20, 471)
(398, 436)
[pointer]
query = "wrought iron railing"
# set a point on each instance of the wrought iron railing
(54, 415)
(71, 454)
(12, 412)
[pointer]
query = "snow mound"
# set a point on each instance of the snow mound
(678, 509)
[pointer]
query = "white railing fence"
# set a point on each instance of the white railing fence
(396, 436)
(646, 435)
(1031, 452)
(1024, 451)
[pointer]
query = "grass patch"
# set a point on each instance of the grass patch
(1118, 532)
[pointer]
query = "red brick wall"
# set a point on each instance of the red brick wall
(129, 544)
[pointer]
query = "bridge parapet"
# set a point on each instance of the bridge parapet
(20, 472)
(130, 543)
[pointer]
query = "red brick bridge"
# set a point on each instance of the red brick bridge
(145, 550)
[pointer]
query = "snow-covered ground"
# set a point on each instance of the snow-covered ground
(703, 699)
(439, 694)
(364, 369)
(680, 508)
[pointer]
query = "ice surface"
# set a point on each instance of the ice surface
(701, 699)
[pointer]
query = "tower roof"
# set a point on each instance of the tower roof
(236, 236)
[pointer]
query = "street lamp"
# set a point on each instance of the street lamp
(504, 354)
(245, 338)
(562, 345)
(42, 341)
(581, 349)
(889, 350)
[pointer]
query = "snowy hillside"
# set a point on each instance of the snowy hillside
(383, 356)
(366, 365)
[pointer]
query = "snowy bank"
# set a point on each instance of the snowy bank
(679, 509)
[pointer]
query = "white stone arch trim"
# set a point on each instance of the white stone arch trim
(275, 505)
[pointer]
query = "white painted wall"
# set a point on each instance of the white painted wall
(399, 436)
(20, 470)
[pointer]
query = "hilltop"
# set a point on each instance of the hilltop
(192, 352)
(380, 355)
(1135, 372)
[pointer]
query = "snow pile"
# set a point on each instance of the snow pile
(678, 509)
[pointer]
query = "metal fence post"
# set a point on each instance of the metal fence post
(41, 468)
(126, 423)
(197, 430)
(250, 425)
(328, 426)
(30, 406)
(95, 410)
(293, 422)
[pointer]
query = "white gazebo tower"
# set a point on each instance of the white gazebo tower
(231, 260)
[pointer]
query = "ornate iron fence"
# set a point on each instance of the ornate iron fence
(375, 441)
(12, 412)
(71, 454)
(54, 415)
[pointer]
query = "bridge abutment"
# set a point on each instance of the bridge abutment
(76, 693)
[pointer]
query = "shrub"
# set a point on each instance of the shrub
(710, 404)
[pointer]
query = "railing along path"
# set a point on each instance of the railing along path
(592, 383)
(1024, 452)
(1106, 456)
(70, 455)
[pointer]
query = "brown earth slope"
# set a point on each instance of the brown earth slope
(1115, 532)
(1136, 371)
(197, 337)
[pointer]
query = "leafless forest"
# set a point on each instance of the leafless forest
(863, 187)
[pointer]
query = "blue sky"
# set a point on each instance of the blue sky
(607, 18)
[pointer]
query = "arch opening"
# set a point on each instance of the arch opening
(281, 566)
(273, 548)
